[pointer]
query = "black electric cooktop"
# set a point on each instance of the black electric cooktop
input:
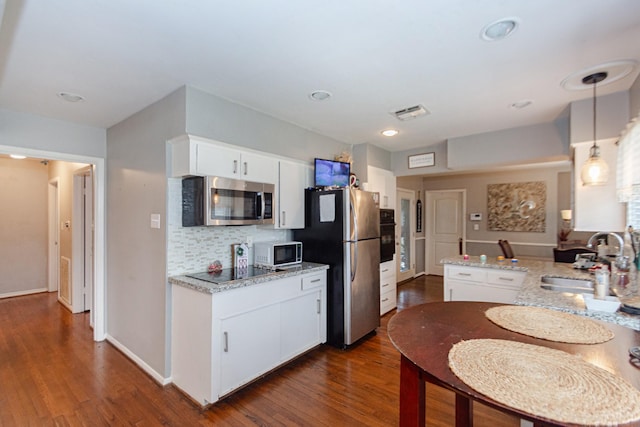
(230, 274)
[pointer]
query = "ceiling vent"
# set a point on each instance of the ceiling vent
(410, 112)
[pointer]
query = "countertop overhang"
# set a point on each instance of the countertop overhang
(533, 294)
(212, 288)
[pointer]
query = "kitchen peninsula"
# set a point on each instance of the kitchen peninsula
(225, 335)
(531, 293)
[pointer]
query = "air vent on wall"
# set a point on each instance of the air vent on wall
(411, 112)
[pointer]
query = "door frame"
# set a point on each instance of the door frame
(53, 232)
(82, 241)
(429, 248)
(410, 273)
(99, 208)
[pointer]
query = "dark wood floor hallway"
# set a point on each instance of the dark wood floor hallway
(53, 374)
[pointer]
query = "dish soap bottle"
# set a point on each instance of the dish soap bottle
(602, 283)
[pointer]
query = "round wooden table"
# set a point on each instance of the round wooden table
(424, 335)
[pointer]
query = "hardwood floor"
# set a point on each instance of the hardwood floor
(53, 374)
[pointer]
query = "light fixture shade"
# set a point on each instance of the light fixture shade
(595, 170)
(566, 214)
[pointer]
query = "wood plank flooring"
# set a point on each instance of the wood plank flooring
(53, 374)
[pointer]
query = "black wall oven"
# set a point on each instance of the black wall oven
(387, 235)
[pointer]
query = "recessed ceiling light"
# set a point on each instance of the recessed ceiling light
(390, 132)
(499, 29)
(17, 156)
(519, 105)
(70, 97)
(320, 95)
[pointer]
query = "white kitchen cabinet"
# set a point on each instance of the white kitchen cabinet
(191, 155)
(224, 340)
(384, 182)
(388, 286)
(462, 283)
(293, 178)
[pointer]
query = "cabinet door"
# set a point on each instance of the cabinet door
(249, 346)
(469, 291)
(258, 168)
(300, 322)
(293, 179)
(217, 160)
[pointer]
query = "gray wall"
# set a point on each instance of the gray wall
(23, 230)
(138, 304)
(476, 186)
(216, 118)
(634, 99)
(612, 116)
(40, 133)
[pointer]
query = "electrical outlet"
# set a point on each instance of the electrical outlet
(249, 241)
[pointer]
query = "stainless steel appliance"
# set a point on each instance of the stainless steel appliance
(276, 254)
(387, 235)
(213, 200)
(342, 229)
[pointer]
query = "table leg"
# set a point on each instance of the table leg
(464, 411)
(412, 395)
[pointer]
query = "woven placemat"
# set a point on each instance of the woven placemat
(545, 382)
(549, 324)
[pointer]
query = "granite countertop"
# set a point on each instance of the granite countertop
(533, 295)
(212, 288)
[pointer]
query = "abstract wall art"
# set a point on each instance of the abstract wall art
(519, 206)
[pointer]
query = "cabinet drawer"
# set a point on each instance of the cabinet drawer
(388, 270)
(313, 281)
(388, 301)
(466, 273)
(512, 279)
(387, 285)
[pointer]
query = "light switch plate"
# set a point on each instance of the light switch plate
(155, 221)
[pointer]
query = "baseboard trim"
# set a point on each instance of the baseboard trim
(138, 361)
(22, 293)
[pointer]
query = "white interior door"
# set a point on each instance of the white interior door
(445, 227)
(82, 242)
(405, 234)
(53, 266)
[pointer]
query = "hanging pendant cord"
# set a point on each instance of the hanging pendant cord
(594, 112)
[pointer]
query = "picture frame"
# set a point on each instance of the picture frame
(422, 160)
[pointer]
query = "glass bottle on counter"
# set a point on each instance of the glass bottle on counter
(623, 277)
(602, 283)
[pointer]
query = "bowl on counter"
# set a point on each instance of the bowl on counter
(609, 305)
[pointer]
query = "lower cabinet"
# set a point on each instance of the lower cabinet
(388, 287)
(463, 283)
(225, 340)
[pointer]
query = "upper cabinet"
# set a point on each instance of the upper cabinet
(294, 177)
(384, 182)
(596, 208)
(199, 156)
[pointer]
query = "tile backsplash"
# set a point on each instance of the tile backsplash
(192, 249)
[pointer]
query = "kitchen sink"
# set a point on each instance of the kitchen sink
(563, 284)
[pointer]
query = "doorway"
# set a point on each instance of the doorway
(446, 234)
(82, 241)
(53, 252)
(98, 309)
(405, 241)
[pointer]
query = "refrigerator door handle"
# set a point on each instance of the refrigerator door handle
(354, 261)
(354, 216)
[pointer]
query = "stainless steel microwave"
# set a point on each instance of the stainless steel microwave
(212, 200)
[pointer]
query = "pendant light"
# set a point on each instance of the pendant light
(595, 170)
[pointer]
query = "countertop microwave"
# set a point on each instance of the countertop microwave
(276, 254)
(212, 200)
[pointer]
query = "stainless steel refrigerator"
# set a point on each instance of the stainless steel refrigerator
(342, 229)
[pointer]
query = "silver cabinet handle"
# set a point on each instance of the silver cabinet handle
(226, 342)
(450, 294)
(283, 222)
(385, 300)
(315, 280)
(464, 274)
(319, 306)
(235, 166)
(506, 279)
(385, 270)
(385, 285)
(246, 168)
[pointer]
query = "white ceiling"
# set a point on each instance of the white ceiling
(374, 56)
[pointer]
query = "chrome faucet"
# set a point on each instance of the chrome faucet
(603, 234)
